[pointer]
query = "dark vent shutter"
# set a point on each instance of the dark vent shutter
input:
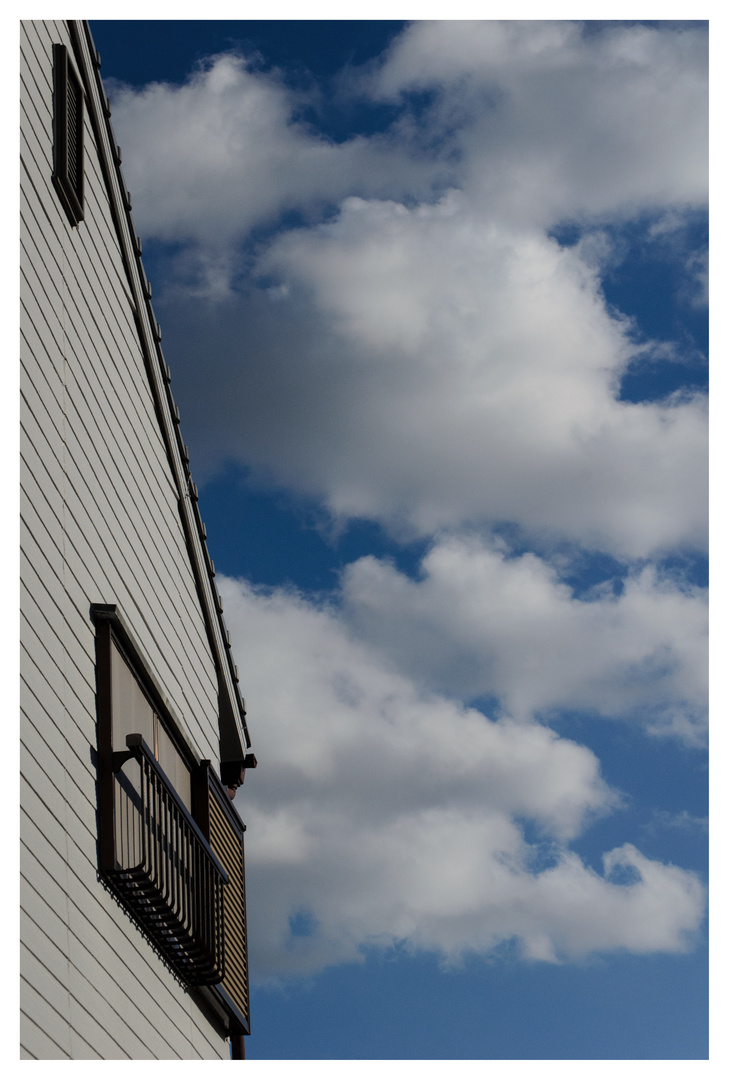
(68, 131)
(75, 121)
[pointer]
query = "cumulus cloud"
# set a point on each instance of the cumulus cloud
(430, 366)
(387, 815)
(224, 152)
(552, 121)
(478, 622)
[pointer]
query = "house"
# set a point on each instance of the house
(133, 728)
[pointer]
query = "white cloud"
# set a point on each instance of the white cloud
(384, 815)
(479, 622)
(428, 367)
(553, 121)
(222, 153)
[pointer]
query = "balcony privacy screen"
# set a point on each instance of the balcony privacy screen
(226, 840)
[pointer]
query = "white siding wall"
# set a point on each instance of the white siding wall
(100, 524)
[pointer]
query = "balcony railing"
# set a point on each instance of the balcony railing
(165, 869)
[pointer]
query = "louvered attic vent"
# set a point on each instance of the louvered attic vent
(68, 135)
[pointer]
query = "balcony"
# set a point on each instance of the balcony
(170, 840)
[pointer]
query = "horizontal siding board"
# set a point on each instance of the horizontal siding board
(35, 1042)
(60, 659)
(51, 972)
(132, 513)
(97, 246)
(204, 1048)
(48, 595)
(95, 1022)
(37, 225)
(35, 844)
(41, 1012)
(91, 981)
(41, 556)
(39, 377)
(74, 531)
(77, 890)
(36, 217)
(40, 352)
(41, 295)
(99, 1023)
(77, 817)
(42, 261)
(50, 820)
(37, 124)
(42, 505)
(39, 463)
(59, 752)
(37, 233)
(81, 1050)
(112, 320)
(67, 739)
(44, 558)
(97, 269)
(36, 561)
(41, 690)
(43, 654)
(111, 543)
(44, 919)
(41, 762)
(36, 156)
(160, 1016)
(129, 455)
(100, 926)
(45, 545)
(129, 432)
(35, 49)
(36, 96)
(36, 877)
(110, 368)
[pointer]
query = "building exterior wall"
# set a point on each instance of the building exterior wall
(101, 523)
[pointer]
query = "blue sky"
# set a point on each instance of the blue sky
(434, 300)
